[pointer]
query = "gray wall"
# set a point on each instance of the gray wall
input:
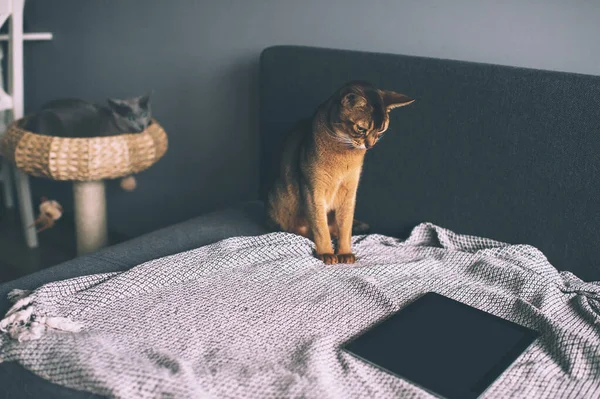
(200, 57)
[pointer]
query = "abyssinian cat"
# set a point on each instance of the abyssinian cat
(314, 194)
(78, 118)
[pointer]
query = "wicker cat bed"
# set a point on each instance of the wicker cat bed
(86, 162)
(83, 159)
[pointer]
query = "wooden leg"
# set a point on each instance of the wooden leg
(5, 177)
(26, 208)
(90, 216)
(15, 89)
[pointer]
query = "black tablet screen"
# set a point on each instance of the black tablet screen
(443, 346)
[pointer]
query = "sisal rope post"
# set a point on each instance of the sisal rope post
(90, 215)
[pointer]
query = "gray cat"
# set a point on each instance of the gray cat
(78, 118)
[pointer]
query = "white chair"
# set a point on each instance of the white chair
(11, 108)
(5, 166)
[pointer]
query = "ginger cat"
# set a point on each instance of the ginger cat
(314, 194)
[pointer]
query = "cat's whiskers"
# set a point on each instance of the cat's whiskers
(341, 137)
(346, 141)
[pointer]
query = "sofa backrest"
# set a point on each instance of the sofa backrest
(507, 153)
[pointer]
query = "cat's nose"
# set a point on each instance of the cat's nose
(368, 145)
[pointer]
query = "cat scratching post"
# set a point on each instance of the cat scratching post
(90, 215)
(87, 162)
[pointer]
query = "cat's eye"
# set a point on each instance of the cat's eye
(361, 129)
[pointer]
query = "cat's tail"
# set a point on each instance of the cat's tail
(272, 225)
(359, 228)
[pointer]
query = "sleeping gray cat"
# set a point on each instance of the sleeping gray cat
(78, 118)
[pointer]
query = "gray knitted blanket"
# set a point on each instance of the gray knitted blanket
(261, 317)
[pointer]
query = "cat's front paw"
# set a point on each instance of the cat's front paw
(328, 259)
(346, 258)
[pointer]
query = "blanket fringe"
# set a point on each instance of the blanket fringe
(17, 294)
(23, 323)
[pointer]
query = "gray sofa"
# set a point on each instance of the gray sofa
(493, 151)
(242, 220)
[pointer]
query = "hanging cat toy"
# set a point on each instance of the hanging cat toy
(50, 212)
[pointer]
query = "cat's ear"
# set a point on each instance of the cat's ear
(353, 100)
(145, 99)
(392, 100)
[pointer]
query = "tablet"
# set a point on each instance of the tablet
(445, 347)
